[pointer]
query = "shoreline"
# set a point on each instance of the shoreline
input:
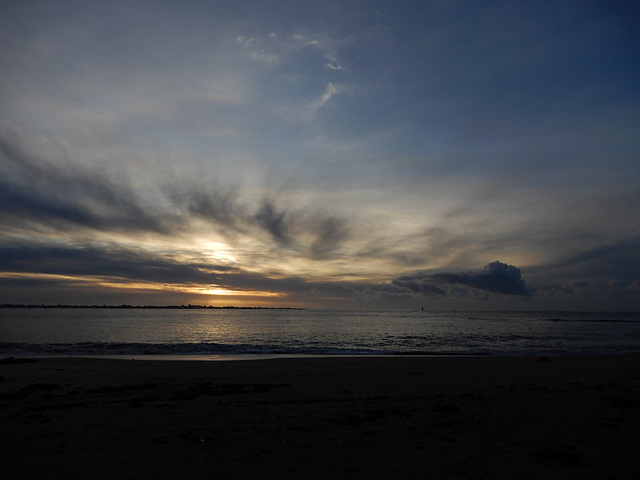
(226, 357)
(319, 417)
(253, 356)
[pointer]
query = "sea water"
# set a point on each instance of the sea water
(261, 332)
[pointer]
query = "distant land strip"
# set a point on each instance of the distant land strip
(174, 307)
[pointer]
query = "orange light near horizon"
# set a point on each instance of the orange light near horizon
(221, 291)
(196, 289)
(123, 284)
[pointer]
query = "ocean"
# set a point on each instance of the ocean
(251, 333)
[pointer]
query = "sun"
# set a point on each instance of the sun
(244, 293)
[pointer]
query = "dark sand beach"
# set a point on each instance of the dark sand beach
(557, 417)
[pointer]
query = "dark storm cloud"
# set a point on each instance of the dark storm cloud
(496, 277)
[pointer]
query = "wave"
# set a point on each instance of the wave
(99, 348)
(594, 320)
(218, 349)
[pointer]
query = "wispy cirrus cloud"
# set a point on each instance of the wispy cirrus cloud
(274, 48)
(330, 91)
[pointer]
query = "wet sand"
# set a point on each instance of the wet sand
(557, 417)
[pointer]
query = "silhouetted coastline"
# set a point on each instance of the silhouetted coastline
(163, 307)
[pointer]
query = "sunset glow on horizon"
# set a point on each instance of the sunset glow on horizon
(392, 155)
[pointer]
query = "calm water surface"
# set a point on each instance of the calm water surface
(86, 331)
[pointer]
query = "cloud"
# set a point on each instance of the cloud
(247, 42)
(274, 49)
(620, 259)
(111, 261)
(419, 284)
(315, 234)
(326, 142)
(36, 192)
(318, 103)
(496, 277)
(387, 292)
(333, 63)
(329, 92)
(273, 221)
(596, 295)
(330, 233)
(262, 50)
(588, 258)
(53, 266)
(32, 190)
(218, 206)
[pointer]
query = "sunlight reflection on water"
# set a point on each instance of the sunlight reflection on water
(292, 332)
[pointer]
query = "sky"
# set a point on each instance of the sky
(321, 154)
